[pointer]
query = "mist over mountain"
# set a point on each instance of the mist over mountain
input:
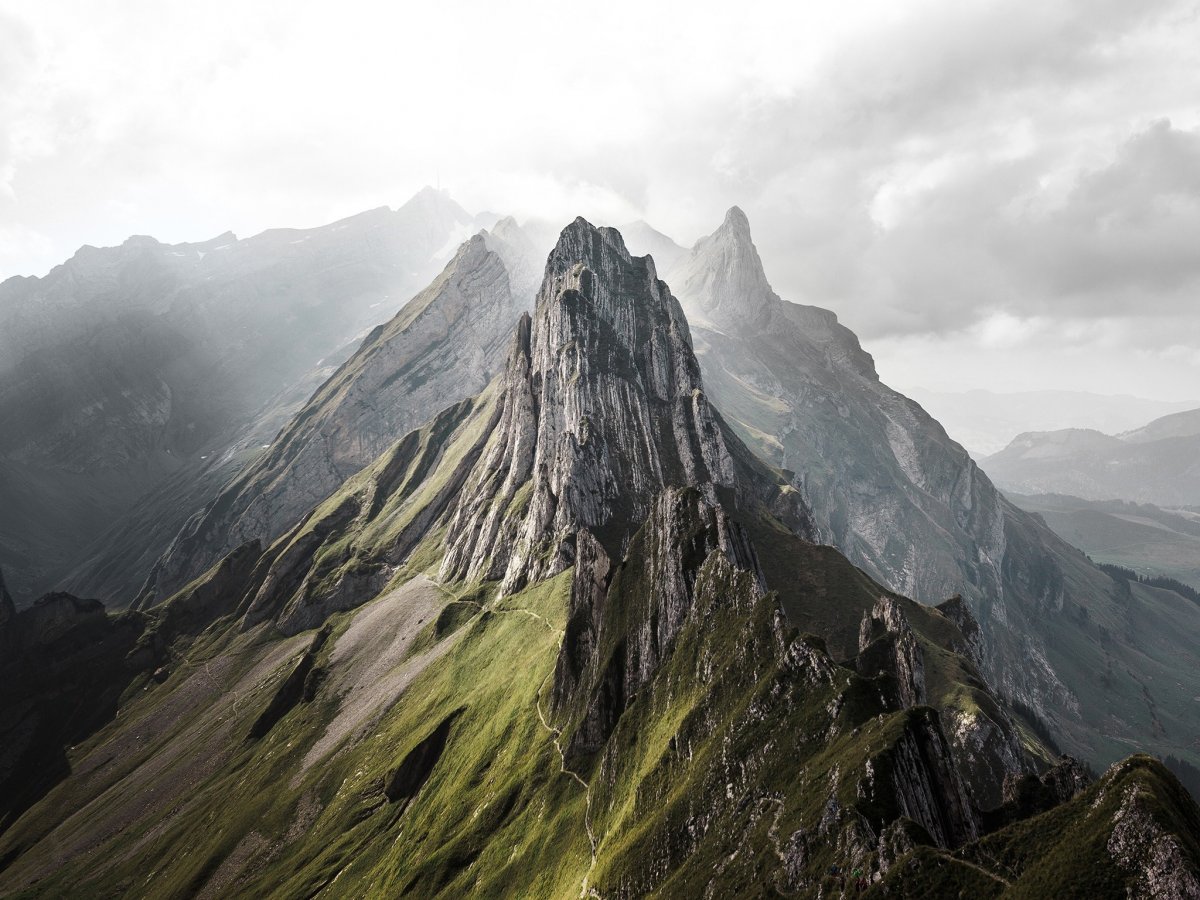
(144, 365)
(986, 422)
(576, 529)
(1158, 463)
(892, 491)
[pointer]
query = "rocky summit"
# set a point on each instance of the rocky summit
(889, 488)
(563, 635)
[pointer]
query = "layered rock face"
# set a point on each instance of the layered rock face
(618, 636)
(892, 491)
(886, 644)
(444, 346)
(705, 704)
(602, 409)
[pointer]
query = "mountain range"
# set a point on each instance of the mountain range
(985, 422)
(600, 588)
(128, 374)
(1158, 463)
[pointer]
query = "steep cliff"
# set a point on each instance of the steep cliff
(889, 489)
(602, 409)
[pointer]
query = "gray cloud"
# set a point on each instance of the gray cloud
(920, 168)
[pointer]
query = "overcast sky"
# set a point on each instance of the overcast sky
(992, 194)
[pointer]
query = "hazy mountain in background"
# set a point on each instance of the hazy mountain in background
(986, 422)
(1158, 463)
(132, 368)
(642, 240)
(1139, 536)
(566, 639)
(443, 347)
(888, 488)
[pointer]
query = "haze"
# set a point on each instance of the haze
(992, 195)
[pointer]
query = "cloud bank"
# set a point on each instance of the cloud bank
(990, 193)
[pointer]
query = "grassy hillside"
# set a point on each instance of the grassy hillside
(1139, 536)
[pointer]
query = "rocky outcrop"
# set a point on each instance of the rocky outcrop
(618, 634)
(723, 282)
(886, 485)
(925, 785)
(959, 612)
(602, 408)
(1153, 856)
(888, 646)
(987, 748)
(1026, 794)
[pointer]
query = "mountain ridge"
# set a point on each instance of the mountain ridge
(570, 636)
(890, 489)
(1155, 463)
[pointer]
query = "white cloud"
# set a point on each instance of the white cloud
(922, 168)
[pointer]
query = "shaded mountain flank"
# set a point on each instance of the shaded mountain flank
(131, 368)
(444, 346)
(574, 640)
(1158, 463)
(1107, 671)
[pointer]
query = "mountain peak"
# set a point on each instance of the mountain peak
(431, 201)
(736, 220)
(722, 282)
(602, 412)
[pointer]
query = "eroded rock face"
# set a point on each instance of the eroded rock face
(1152, 855)
(886, 484)
(1028, 795)
(959, 612)
(927, 786)
(1066, 779)
(890, 489)
(886, 644)
(619, 633)
(603, 408)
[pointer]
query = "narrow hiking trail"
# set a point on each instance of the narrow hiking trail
(555, 733)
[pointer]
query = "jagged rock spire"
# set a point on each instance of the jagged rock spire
(723, 279)
(602, 409)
